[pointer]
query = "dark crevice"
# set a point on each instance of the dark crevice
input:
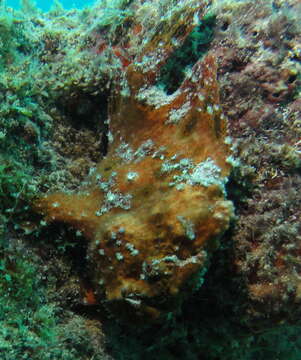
(194, 47)
(105, 140)
(225, 26)
(87, 111)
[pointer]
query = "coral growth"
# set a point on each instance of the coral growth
(155, 205)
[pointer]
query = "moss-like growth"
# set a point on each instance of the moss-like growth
(7, 38)
(14, 188)
(30, 327)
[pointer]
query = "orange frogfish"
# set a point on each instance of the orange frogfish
(155, 207)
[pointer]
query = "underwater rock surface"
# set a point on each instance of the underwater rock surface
(112, 126)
